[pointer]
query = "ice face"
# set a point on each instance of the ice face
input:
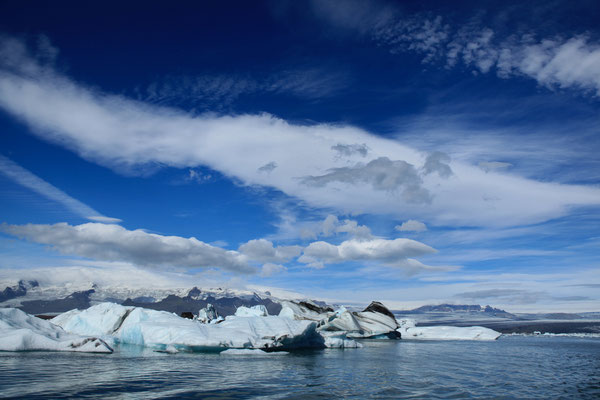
(254, 311)
(209, 315)
(23, 332)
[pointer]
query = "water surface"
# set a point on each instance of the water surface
(511, 367)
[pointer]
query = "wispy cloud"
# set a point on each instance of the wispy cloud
(25, 178)
(220, 91)
(125, 134)
(554, 62)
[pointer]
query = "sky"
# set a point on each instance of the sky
(414, 152)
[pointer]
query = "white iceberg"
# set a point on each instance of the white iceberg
(410, 331)
(304, 311)
(254, 311)
(376, 321)
(209, 315)
(23, 332)
(160, 329)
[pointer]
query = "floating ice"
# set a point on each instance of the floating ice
(160, 329)
(23, 332)
(254, 311)
(209, 315)
(252, 352)
(410, 331)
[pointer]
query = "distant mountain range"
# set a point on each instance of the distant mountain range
(458, 308)
(33, 299)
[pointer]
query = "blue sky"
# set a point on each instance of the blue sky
(410, 152)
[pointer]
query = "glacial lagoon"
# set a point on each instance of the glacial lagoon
(510, 367)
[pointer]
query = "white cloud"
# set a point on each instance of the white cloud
(198, 177)
(115, 243)
(25, 178)
(128, 135)
(348, 150)
(332, 225)
(262, 250)
(393, 253)
(270, 269)
(411, 226)
(488, 166)
(553, 62)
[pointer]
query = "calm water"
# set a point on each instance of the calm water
(511, 367)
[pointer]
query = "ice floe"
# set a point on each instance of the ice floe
(409, 331)
(23, 332)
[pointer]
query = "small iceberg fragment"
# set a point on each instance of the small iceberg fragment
(410, 331)
(252, 352)
(254, 311)
(23, 332)
(209, 315)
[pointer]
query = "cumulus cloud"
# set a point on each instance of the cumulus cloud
(129, 135)
(438, 162)
(381, 174)
(27, 179)
(392, 253)
(411, 226)
(115, 243)
(262, 250)
(348, 150)
(332, 225)
(268, 167)
(270, 269)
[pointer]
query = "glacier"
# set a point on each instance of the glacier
(23, 332)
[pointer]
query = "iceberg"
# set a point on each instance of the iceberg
(162, 330)
(304, 310)
(209, 315)
(374, 322)
(254, 311)
(23, 332)
(410, 331)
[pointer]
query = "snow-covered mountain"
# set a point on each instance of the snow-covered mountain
(35, 298)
